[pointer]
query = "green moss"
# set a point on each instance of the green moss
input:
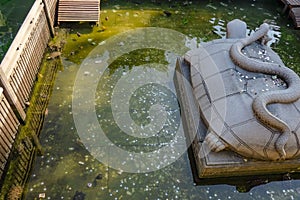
(37, 105)
(83, 38)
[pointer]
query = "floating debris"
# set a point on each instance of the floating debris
(185, 3)
(120, 172)
(101, 43)
(223, 4)
(81, 163)
(117, 7)
(46, 112)
(89, 185)
(79, 196)
(220, 31)
(167, 13)
(211, 6)
(212, 20)
(99, 177)
(53, 55)
(42, 195)
(71, 148)
(86, 73)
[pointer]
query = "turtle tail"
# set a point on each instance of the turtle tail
(281, 142)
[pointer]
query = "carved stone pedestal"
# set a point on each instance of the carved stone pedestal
(226, 163)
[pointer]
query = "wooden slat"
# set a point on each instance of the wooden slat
(293, 6)
(7, 126)
(8, 129)
(78, 10)
(293, 3)
(295, 15)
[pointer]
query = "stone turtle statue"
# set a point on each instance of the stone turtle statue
(247, 98)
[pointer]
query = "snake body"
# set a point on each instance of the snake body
(259, 105)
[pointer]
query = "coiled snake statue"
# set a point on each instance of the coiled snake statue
(259, 105)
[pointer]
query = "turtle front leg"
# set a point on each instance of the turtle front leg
(215, 143)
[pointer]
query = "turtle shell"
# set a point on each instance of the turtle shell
(225, 93)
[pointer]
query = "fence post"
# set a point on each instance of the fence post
(48, 17)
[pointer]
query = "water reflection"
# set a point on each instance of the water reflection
(12, 13)
(274, 33)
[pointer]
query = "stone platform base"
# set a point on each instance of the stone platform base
(225, 163)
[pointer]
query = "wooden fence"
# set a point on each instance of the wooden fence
(8, 130)
(21, 63)
(18, 71)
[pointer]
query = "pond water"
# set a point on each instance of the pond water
(12, 14)
(114, 130)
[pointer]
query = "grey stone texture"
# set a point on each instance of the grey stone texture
(228, 163)
(223, 94)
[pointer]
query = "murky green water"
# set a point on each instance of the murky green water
(68, 167)
(12, 14)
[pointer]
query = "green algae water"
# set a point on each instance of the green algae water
(12, 14)
(70, 169)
